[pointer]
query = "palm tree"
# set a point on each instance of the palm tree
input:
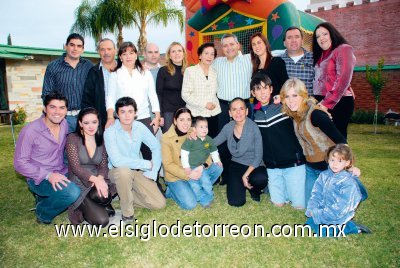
(146, 12)
(86, 20)
(114, 15)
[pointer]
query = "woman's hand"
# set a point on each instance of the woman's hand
(210, 106)
(355, 171)
(187, 171)
(196, 173)
(161, 121)
(100, 184)
(277, 99)
(110, 122)
(246, 183)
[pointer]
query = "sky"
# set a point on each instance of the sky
(46, 24)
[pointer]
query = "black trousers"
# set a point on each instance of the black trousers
(93, 208)
(341, 113)
(235, 190)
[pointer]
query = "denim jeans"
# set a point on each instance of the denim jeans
(50, 203)
(351, 228)
(72, 121)
(203, 187)
(311, 176)
(287, 184)
(182, 193)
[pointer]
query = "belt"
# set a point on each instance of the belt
(73, 112)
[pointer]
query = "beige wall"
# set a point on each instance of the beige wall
(24, 84)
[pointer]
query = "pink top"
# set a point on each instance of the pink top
(333, 75)
(38, 153)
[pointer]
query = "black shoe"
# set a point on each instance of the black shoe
(363, 229)
(42, 222)
(110, 211)
(128, 219)
(160, 188)
(222, 181)
(256, 197)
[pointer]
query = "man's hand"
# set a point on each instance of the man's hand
(219, 164)
(161, 121)
(187, 171)
(57, 179)
(277, 99)
(246, 183)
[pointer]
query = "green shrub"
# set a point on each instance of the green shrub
(366, 117)
(19, 116)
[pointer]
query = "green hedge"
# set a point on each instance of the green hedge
(366, 117)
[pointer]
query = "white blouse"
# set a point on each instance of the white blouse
(139, 86)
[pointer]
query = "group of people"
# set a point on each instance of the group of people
(258, 122)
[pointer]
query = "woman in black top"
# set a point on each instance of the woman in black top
(169, 83)
(262, 61)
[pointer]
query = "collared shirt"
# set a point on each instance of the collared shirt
(233, 77)
(153, 70)
(38, 153)
(123, 148)
(198, 90)
(69, 81)
(106, 76)
(139, 86)
(303, 69)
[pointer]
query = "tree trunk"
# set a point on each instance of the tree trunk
(120, 36)
(376, 115)
(142, 41)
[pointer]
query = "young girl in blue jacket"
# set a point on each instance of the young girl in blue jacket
(336, 195)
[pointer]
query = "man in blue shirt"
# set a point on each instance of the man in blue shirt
(134, 176)
(299, 62)
(67, 75)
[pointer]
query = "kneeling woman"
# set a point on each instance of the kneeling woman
(245, 145)
(87, 159)
(178, 187)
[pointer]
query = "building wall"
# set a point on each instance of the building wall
(372, 29)
(24, 84)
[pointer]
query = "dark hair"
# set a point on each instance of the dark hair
(54, 95)
(99, 133)
(258, 78)
(237, 99)
(204, 46)
(122, 49)
(180, 111)
(198, 119)
(103, 40)
(125, 101)
(75, 36)
(336, 37)
(255, 60)
(293, 28)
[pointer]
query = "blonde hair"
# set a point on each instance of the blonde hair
(343, 151)
(169, 64)
(301, 90)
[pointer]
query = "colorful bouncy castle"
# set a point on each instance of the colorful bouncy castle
(208, 20)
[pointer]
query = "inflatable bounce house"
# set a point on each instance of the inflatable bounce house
(208, 20)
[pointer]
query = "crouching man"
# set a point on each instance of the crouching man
(134, 177)
(39, 156)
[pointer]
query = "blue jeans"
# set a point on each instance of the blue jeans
(203, 187)
(351, 228)
(182, 193)
(287, 184)
(72, 121)
(311, 176)
(50, 203)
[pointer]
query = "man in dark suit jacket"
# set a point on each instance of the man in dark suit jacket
(95, 90)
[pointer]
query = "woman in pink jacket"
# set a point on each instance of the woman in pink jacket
(334, 63)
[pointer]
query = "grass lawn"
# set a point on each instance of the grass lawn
(25, 243)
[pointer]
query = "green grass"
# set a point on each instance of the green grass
(25, 243)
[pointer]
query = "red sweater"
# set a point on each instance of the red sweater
(333, 75)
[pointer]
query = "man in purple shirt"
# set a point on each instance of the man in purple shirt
(39, 157)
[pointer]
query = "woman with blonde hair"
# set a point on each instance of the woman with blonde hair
(169, 83)
(313, 127)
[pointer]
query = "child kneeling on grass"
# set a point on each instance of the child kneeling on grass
(194, 153)
(336, 195)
